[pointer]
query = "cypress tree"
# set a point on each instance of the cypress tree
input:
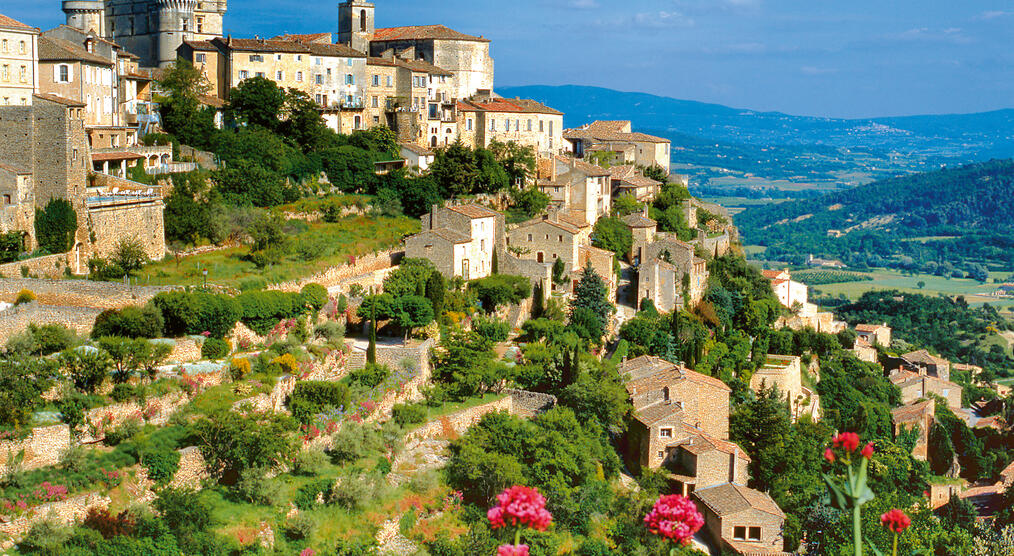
(371, 350)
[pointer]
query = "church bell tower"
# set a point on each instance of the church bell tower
(356, 24)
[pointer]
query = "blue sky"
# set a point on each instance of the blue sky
(811, 57)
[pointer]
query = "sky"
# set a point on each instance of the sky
(833, 58)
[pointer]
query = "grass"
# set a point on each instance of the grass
(976, 293)
(356, 236)
(449, 408)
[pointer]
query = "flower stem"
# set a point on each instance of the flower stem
(517, 537)
(895, 551)
(857, 532)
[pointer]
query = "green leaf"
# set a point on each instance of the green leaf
(836, 498)
(873, 547)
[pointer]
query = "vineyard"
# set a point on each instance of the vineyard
(821, 277)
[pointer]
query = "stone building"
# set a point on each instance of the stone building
(701, 461)
(575, 188)
(417, 157)
(459, 240)
(17, 212)
(741, 519)
(484, 119)
(619, 144)
(670, 275)
(643, 228)
(414, 98)
(629, 180)
(917, 414)
(864, 351)
(671, 403)
(152, 29)
(875, 334)
(466, 56)
(545, 240)
(789, 292)
(915, 386)
(924, 363)
(19, 62)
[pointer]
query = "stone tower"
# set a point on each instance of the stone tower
(356, 24)
(86, 15)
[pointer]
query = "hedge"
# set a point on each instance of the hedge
(313, 397)
(262, 310)
(191, 313)
(130, 322)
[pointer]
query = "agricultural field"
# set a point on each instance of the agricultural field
(976, 293)
(818, 277)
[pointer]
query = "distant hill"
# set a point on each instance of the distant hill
(717, 141)
(959, 215)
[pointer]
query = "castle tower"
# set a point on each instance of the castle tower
(356, 24)
(86, 15)
(175, 23)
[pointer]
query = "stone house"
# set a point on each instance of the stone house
(17, 212)
(621, 143)
(459, 240)
(741, 519)
(19, 62)
(915, 414)
(670, 275)
(701, 461)
(785, 372)
(875, 334)
(789, 292)
(575, 188)
(417, 157)
(484, 119)
(915, 386)
(924, 363)
(546, 239)
(629, 180)
(671, 403)
(864, 351)
(70, 71)
(412, 97)
(643, 229)
(601, 261)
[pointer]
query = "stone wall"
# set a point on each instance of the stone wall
(185, 350)
(43, 447)
(192, 470)
(155, 411)
(17, 319)
(336, 275)
(456, 424)
(273, 401)
(50, 266)
(137, 219)
(80, 293)
(529, 404)
(66, 511)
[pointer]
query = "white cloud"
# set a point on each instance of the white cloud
(583, 4)
(993, 14)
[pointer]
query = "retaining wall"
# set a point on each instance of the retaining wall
(16, 319)
(73, 509)
(43, 447)
(50, 266)
(336, 275)
(79, 293)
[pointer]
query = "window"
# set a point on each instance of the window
(256, 58)
(280, 75)
(318, 79)
(739, 533)
(260, 74)
(278, 57)
(358, 122)
(243, 74)
(529, 125)
(318, 62)
(63, 73)
(319, 99)
(186, 23)
(388, 80)
(517, 125)
(754, 534)
(21, 48)
(375, 101)
(329, 72)
(376, 80)
(529, 237)
(350, 79)
(561, 238)
(661, 454)
(542, 126)
(550, 127)
(376, 119)
(7, 199)
(200, 58)
(299, 57)
(5, 73)
(492, 124)
(299, 76)
(468, 125)
(506, 125)
(482, 245)
(200, 24)
(348, 62)
(3, 46)
(665, 433)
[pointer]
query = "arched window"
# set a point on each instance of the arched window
(64, 73)
(362, 21)
(665, 393)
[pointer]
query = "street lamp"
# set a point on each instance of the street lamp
(205, 273)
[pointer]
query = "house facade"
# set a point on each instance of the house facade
(875, 334)
(459, 240)
(670, 275)
(619, 143)
(19, 62)
(741, 519)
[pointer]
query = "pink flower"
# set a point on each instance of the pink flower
(675, 518)
(847, 440)
(512, 550)
(519, 505)
(829, 455)
(206, 334)
(895, 520)
(308, 552)
(868, 451)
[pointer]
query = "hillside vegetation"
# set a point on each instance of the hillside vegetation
(949, 222)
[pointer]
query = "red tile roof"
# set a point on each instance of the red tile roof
(473, 211)
(201, 46)
(422, 32)
(118, 155)
(511, 105)
(869, 327)
(638, 220)
(700, 443)
(54, 49)
(14, 24)
(59, 100)
(731, 498)
(421, 66)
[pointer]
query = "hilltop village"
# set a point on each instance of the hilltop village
(330, 293)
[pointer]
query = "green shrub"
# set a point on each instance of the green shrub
(129, 322)
(313, 397)
(55, 226)
(197, 312)
(122, 393)
(330, 331)
(370, 376)
(308, 497)
(46, 538)
(255, 487)
(42, 340)
(162, 465)
(12, 244)
(492, 329)
(408, 414)
(24, 296)
(184, 511)
(300, 526)
(213, 348)
(262, 310)
(353, 492)
(127, 430)
(314, 295)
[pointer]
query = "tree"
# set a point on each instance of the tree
(232, 442)
(129, 256)
(125, 355)
(55, 226)
(590, 300)
(559, 272)
(256, 101)
(190, 209)
(246, 183)
(626, 204)
(613, 235)
(86, 368)
(12, 244)
(303, 122)
(529, 201)
(466, 364)
(959, 512)
(409, 278)
(435, 288)
(266, 231)
(22, 382)
(500, 289)
(657, 173)
(181, 113)
(413, 312)
(517, 160)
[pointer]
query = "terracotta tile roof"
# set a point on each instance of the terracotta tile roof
(59, 100)
(913, 412)
(201, 46)
(473, 211)
(631, 175)
(731, 498)
(118, 155)
(52, 49)
(582, 166)
(337, 50)
(574, 218)
(262, 45)
(923, 356)
(310, 37)
(644, 372)
(14, 169)
(1008, 472)
(212, 101)
(446, 234)
(422, 32)
(555, 223)
(609, 131)
(700, 443)
(869, 327)
(708, 380)
(772, 274)
(14, 24)
(421, 151)
(901, 377)
(607, 126)
(419, 66)
(638, 220)
(652, 414)
(509, 105)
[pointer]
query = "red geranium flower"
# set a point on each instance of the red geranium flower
(868, 451)
(512, 550)
(895, 520)
(520, 505)
(847, 440)
(675, 518)
(829, 455)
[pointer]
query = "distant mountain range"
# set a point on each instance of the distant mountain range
(782, 146)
